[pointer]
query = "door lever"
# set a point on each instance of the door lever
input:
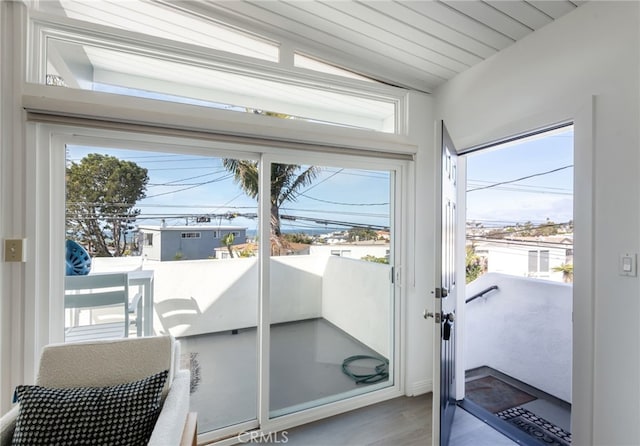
(447, 325)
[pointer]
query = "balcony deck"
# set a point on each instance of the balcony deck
(306, 361)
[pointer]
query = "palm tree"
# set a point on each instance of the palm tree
(286, 182)
(567, 272)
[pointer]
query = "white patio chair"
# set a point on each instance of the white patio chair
(93, 293)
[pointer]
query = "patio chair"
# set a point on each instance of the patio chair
(73, 368)
(94, 293)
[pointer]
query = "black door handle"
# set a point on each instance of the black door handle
(447, 321)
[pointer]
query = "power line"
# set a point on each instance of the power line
(226, 177)
(172, 182)
(320, 182)
(520, 242)
(520, 179)
(516, 230)
(343, 204)
(285, 218)
(524, 186)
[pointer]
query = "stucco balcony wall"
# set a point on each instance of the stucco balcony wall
(193, 297)
(523, 329)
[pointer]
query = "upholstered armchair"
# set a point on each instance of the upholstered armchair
(129, 385)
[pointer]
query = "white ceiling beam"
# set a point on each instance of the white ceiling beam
(401, 11)
(491, 17)
(553, 8)
(461, 23)
(522, 12)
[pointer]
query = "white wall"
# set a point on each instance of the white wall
(357, 297)
(522, 329)
(514, 259)
(194, 297)
(418, 269)
(203, 296)
(116, 264)
(351, 251)
(549, 76)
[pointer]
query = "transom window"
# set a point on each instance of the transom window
(107, 60)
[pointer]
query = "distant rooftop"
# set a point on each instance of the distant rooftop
(191, 228)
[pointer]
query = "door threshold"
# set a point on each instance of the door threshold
(495, 422)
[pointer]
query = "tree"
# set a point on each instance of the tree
(286, 182)
(299, 237)
(474, 265)
(227, 241)
(374, 259)
(102, 191)
(361, 234)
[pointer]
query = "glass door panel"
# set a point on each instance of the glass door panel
(182, 231)
(331, 296)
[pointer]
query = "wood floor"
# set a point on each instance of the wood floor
(404, 421)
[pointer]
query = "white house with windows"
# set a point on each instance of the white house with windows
(165, 243)
(534, 257)
(356, 250)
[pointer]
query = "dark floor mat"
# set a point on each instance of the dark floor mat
(544, 431)
(495, 395)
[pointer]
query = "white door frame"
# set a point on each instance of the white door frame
(582, 117)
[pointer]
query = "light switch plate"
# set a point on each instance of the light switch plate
(628, 264)
(15, 250)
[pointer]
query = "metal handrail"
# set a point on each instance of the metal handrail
(481, 293)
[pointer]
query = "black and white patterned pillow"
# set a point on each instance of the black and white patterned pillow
(124, 414)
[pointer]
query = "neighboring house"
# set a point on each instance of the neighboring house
(334, 237)
(526, 256)
(355, 250)
(186, 242)
(251, 249)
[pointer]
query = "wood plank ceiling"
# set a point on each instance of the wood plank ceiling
(417, 44)
(414, 44)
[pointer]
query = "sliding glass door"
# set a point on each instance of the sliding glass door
(178, 223)
(331, 295)
(224, 258)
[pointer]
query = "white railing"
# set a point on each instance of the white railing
(523, 329)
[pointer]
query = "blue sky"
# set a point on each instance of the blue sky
(182, 186)
(547, 195)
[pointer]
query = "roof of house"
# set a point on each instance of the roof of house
(192, 228)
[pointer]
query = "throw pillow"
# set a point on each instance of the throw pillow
(123, 414)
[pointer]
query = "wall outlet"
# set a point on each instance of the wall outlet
(15, 250)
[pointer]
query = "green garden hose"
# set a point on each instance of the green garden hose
(380, 372)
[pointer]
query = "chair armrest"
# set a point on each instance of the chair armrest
(171, 421)
(8, 425)
(190, 432)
